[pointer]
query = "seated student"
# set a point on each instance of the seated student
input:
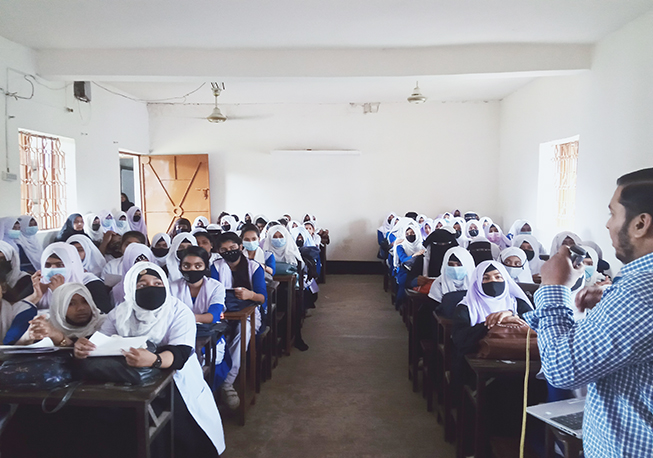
(482, 249)
(438, 223)
(73, 314)
(122, 225)
(530, 245)
(516, 263)
(311, 264)
(110, 245)
(322, 232)
(261, 221)
(456, 213)
(459, 225)
(181, 225)
(427, 227)
(471, 216)
(407, 249)
(134, 253)
(311, 228)
(201, 222)
(523, 227)
(9, 230)
(566, 238)
(248, 219)
(420, 219)
(151, 310)
(62, 264)
(160, 248)
(253, 250)
(411, 215)
(473, 230)
(493, 297)
(437, 244)
(485, 222)
(29, 247)
(15, 316)
(286, 255)
(92, 259)
(246, 279)
(205, 240)
(228, 224)
(136, 220)
(179, 243)
(107, 222)
(15, 283)
(292, 225)
(125, 203)
(495, 235)
(74, 225)
(458, 266)
(112, 273)
(93, 228)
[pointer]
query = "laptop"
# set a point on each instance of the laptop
(564, 415)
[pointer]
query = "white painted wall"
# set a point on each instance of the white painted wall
(610, 107)
(109, 123)
(426, 158)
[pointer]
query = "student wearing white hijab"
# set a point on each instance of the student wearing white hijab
(161, 247)
(93, 227)
(28, 245)
(72, 314)
(151, 310)
(10, 230)
(312, 230)
(485, 221)
(92, 259)
(473, 230)
(406, 250)
(122, 225)
(107, 222)
(457, 268)
(520, 227)
(200, 222)
(253, 251)
(280, 243)
(229, 224)
(531, 246)
(134, 253)
(179, 243)
(460, 225)
(62, 264)
(495, 235)
(515, 261)
(15, 283)
(567, 238)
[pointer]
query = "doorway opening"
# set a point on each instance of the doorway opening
(130, 183)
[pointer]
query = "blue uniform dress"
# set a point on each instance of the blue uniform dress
(401, 275)
(271, 262)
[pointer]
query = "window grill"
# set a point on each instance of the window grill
(43, 179)
(566, 161)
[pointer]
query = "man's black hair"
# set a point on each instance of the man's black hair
(134, 235)
(228, 237)
(250, 228)
(637, 198)
(637, 176)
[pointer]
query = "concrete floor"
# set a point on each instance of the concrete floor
(349, 394)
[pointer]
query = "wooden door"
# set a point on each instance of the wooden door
(174, 187)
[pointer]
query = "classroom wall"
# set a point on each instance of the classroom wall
(610, 107)
(100, 129)
(426, 158)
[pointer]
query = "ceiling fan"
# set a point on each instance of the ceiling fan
(216, 115)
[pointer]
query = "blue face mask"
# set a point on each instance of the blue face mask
(252, 246)
(121, 223)
(455, 272)
(49, 272)
(14, 234)
(589, 271)
(106, 222)
(278, 243)
(31, 230)
(525, 233)
(514, 271)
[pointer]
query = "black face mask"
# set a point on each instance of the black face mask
(160, 252)
(136, 218)
(231, 255)
(95, 226)
(530, 254)
(473, 232)
(193, 276)
(300, 243)
(458, 233)
(494, 288)
(5, 268)
(226, 228)
(411, 238)
(151, 297)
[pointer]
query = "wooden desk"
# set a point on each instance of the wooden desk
(484, 370)
(246, 375)
(138, 398)
(290, 281)
(573, 446)
(415, 300)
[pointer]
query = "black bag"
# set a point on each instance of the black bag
(211, 329)
(310, 255)
(36, 372)
(233, 304)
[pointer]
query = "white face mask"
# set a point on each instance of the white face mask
(514, 272)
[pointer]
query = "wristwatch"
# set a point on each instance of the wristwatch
(157, 363)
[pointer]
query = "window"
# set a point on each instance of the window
(43, 179)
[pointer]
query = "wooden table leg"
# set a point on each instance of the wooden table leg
(142, 431)
(242, 376)
(171, 386)
(252, 357)
(289, 316)
(480, 444)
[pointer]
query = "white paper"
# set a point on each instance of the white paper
(113, 346)
(47, 342)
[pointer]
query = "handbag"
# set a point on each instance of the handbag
(36, 372)
(508, 342)
(284, 268)
(233, 304)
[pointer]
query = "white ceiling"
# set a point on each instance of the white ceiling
(309, 23)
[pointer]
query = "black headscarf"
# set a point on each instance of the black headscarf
(412, 215)
(127, 204)
(437, 243)
(480, 251)
(68, 229)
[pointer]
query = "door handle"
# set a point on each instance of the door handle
(205, 191)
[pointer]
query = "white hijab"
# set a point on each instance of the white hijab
(301, 230)
(520, 274)
(200, 219)
(172, 261)
(61, 298)
(445, 283)
(30, 244)
(516, 228)
(139, 225)
(132, 253)
(121, 226)
(71, 261)
(468, 227)
(595, 274)
(536, 263)
(559, 238)
(107, 216)
(480, 305)
(6, 225)
(96, 236)
(134, 321)
(12, 256)
(410, 248)
(231, 221)
(289, 253)
(498, 238)
(161, 261)
(93, 261)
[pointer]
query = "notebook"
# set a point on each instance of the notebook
(566, 415)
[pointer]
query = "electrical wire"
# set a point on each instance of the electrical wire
(183, 97)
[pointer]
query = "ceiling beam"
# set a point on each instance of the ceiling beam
(171, 64)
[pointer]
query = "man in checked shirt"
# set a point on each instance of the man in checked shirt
(611, 350)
